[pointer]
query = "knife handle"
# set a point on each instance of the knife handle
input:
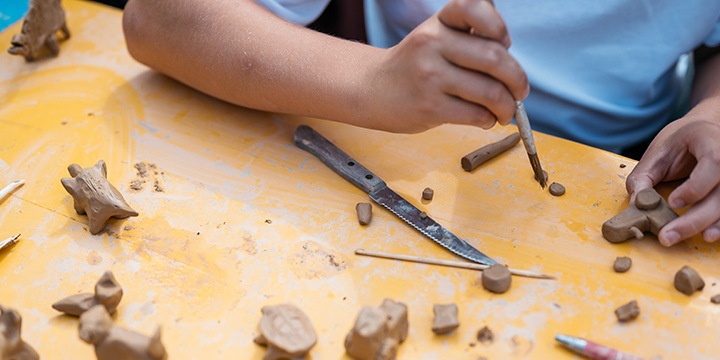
(309, 140)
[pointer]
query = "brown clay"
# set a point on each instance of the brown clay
(647, 199)
(286, 331)
(423, 215)
(687, 281)
(115, 343)
(446, 318)
(485, 336)
(497, 279)
(428, 194)
(95, 196)
(622, 264)
(12, 347)
(364, 213)
(378, 331)
(715, 299)
(487, 152)
(44, 18)
(627, 312)
(620, 227)
(108, 292)
(545, 175)
(557, 189)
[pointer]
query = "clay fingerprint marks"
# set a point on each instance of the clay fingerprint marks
(497, 279)
(649, 213)
(364, 213)
(628, 311)
(44, 18)
(286, 331)
(378, 332)
(95, 196)
(446, 318)
(146, 173)
(108, 293)
(115, 343)
(312, 261)
(11, 344)
(688, 281)
(487, 152)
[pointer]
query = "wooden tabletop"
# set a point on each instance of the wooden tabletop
(242, 219)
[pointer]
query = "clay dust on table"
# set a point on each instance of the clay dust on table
(146, 173)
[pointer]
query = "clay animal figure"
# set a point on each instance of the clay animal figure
(378, 332)
(650, 212)
(95, 196)
(12, 347)
(286, 331)
(115, 343)
(43, 20)
(107, 293)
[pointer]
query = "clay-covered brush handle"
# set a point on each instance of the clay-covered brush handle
(309, 140)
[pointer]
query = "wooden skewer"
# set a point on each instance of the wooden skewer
(9, 241)
(10, 187)
(458, 264)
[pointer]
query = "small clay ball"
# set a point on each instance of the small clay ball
(423, 215)
(557, 189)
(715, 299)
(687, 281)
(428, 194)
(647, 199)
(497, 279)
(622, 166)
(628, 311)
(622, 264)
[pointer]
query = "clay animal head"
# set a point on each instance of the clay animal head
(20, 45)
(286, 331)
(43, 20)
(11, 344)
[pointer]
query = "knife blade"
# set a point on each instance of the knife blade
(311, 141)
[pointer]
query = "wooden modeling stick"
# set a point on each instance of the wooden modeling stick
(44, 18)
(12, 347)
(487, 152)
(450, 263)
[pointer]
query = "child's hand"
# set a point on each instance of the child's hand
(453, 68)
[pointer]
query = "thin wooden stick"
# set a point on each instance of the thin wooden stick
(10, 187)
(9, 241)
(458, 264)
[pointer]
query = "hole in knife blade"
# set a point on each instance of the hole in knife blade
(350, 163)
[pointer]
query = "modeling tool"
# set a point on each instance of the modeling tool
(308, 139)
(521, 119)
(10, 187)
(9, 241)
(593, 350)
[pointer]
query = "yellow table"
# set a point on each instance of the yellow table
(246, 219)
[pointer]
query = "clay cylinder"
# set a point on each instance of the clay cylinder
(487, 152)
(496, 279)
(364, 213)
(446, 318)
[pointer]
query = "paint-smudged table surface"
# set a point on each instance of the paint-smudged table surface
(241, 218)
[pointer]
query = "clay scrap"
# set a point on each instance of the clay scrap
(428, 193)
(108, 293)
(12, 346)
(364, 213)
(95, 196)
(286, 331)
(115, 343)
(627, 312)
(622, 264)
(476, 158)
(687, 281)
(497, 279)
(557, 189)
(639, 218)
(485, 336)
(715, 299)
(44, 18)
(446, 318)
(378, 332)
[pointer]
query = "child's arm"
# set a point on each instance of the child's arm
(239, 52)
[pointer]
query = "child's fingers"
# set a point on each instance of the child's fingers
(478, 15)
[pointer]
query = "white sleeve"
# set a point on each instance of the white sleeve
(300, 12)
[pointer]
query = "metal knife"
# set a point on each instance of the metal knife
(308, 139)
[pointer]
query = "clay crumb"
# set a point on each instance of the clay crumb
(627, 312)
(715, 299)
(423, 215)
(428, 193)
(557, 189)
(622, 166)
(268, 221)
(687, 281)
(446, 318)
(485, 336)
(497, 279)
(364, 213)
(622, 264)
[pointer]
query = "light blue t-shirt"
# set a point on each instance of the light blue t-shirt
(601, 72)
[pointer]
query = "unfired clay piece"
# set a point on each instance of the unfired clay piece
(44, 18)
(378, 331)
(108, 292)
(622, 264)
(364, 213)
(487, 152)
(628, 311)
(428, 194)
(715, 299)
(485, 336)
(633, 221)
(423, 215)
(446, 318)
(286, 331)
(557, 189)
(115, 343)
(12, 347)
(497, 279)
(95, 196)
(687, 281)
